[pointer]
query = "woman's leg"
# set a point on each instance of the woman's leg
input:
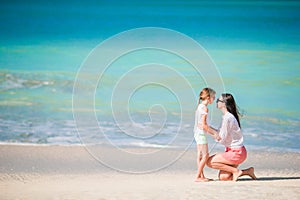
(228, 171)
(225, 176)
(249, 172)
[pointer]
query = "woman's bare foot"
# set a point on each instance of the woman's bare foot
(236, 175)
(250, 172)
(203, 179)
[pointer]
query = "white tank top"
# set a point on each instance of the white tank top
(198, 118)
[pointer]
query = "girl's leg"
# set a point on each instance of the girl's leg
(199, 158)
(199, 154)
(203, 151)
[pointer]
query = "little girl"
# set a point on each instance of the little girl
(207, 96)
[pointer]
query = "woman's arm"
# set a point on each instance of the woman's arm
(224, 132)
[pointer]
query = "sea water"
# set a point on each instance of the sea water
(254, 45)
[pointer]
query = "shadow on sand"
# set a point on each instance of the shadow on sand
(270, 178)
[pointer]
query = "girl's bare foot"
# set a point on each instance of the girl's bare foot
(203, 179)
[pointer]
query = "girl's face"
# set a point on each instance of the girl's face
(220, 103)
(211, 99)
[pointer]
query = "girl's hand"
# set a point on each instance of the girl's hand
(217, 137)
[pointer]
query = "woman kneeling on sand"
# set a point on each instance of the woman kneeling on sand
(232, 138)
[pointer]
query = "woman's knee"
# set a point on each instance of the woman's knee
(208, 162)
(225, 176)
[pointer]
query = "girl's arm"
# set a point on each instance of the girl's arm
(204, 120)
(214, 133)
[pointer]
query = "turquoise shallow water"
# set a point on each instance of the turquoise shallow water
(255, 46)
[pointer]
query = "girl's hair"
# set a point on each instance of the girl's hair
(231, 106)
(205, 93)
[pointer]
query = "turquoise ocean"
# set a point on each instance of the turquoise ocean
(255, 46)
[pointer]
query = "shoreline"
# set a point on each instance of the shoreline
(212, 147)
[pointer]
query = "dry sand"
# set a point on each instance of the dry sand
(70, 172)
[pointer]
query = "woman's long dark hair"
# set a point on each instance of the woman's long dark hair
(231, 106)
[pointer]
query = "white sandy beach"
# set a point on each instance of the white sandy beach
(70, 172)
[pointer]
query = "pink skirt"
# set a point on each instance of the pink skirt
(235, 155)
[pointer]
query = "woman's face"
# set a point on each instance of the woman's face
(220, 103)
